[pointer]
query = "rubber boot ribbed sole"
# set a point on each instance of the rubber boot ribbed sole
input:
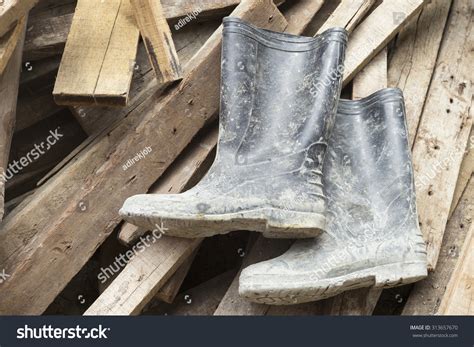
(285, 290)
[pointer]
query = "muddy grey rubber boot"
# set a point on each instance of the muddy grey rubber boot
(372, 236)
(279, 96)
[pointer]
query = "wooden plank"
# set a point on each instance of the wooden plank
(48, 33)
(426, 295)
(98, 60)
(347, 15)
(166, 125)
(375, 31)
(9, 41)
(158, 41)
(9, 82)
(371, 78)
(444, 128)
(187, 40)
(168, 292)
(465, 173)
(232, 303)
(300, 14)
(414, 58)
(99, 122)
(459, 296)
(201, 300)
(11, 11)
(135, 285)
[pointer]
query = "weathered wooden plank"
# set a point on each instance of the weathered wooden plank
(426, 295)
(9, 82)
(459, 296)
(99, 122)
(48, 28)
(48, 33)
(187, 40)
(166, 125)
(98, 61)
(414, 58)
(9, 41)
(347, 15)
(465, 173)
(201, 300)
(372, 77)
(375, 31)
(167, 293)
(156, 35)
(135, 285)
(300, 14)
(11, 11)
(444, 128)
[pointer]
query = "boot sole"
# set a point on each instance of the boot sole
(273, 223)
(385, 276)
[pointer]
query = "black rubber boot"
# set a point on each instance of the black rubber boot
(279, 95)
(372, 236)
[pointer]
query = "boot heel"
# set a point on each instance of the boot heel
(393, 275)
(292, 224)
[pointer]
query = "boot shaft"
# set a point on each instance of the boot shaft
(279, 92)
(368, 170)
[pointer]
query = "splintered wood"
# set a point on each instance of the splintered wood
(99, 57)
(158, 41)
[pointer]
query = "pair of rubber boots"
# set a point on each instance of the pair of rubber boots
(294, 161)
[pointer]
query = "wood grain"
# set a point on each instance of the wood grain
(458, 299)
(347, 15)
(158, 41)
(99, 57)
(375, 31)
(426, 295)
(444, 128)
(414, 58)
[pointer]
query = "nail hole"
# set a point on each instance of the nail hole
(448, 110)
(430, 192)
(450, 100)
(461, 226)
(436, 147)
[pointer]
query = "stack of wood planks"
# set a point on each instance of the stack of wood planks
(86, 85)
